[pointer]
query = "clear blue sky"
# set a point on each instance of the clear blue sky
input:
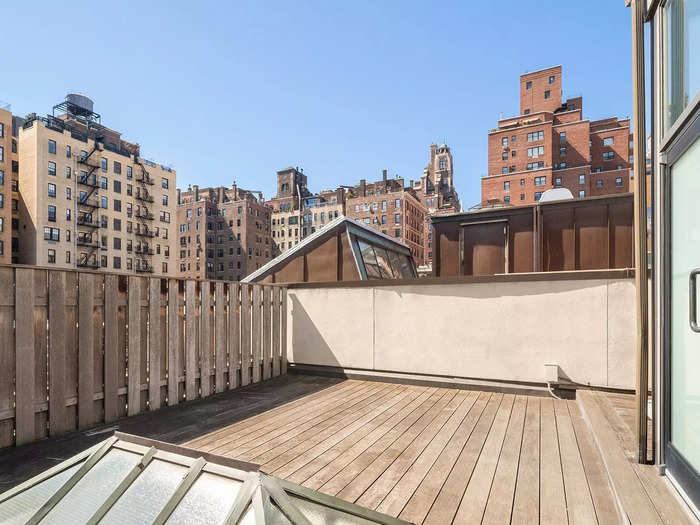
(237, 90)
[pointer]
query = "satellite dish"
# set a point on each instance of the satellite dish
(556, 194)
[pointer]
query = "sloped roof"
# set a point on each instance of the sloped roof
(128, 479)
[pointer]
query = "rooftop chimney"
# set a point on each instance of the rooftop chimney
(178, 195)
(196, 192)
(363, 184)
(235, 190)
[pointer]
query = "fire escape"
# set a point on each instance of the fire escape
(88, 221)
(144, 227)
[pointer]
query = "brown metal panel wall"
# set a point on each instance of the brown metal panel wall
(520, 243)
(292, 272)
(322, 262)
(591, 237)
(446, 235)
(621, 220)
(349, 271)
(484, 249)
(558, 239)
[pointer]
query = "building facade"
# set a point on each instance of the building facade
(286, 208)
(87, 198)
(392, 208)
(436, 191)
(9, 186)
(223, 233)
(550, 145)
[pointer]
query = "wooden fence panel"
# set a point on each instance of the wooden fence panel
(134, 350)
(256, 339)
(234, 335)
(71, 367)
(191, 318)
(276, 356)
(174, 337)
(111, 358)
(143, 354)
(98, 316)
(58, 423)
(155, 343)
(7, 356)
(25, 357)
(41, 368)
(86, 350)
(245, 334)
(206, 349)
(220, 336)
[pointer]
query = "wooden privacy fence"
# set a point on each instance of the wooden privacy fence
(80, 348)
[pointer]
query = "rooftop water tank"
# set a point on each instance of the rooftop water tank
(79, 104)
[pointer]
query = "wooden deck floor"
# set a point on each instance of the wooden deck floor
(432, 455)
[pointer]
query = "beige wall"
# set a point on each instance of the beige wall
(498, 331)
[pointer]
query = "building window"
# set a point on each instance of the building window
(2, 178)
(608, 155)
(52, 168)
(52, 146)
(117, 262)
(68, 152)
(562, 151)
(618, 182)
(535, 165)
(581, 194)
(522, 182)
(535, 152)
(522, 196)
(165, 200)
(117, 186)
(528, 84)
(551, 80)
(103, 164)
(103, 183)
(52, 234)
(52, 190)
(2, 154)
(557, 182)
(117, 243)
(599, 183)
(562, 137)
(2, 130)
(608, 141)
(504, 169)
(129, 172)
(538, 194)
(52, 213)
(68, 172)
(582, 179)
(67, 256)
(504, 142)
(52, 256)
(164, 183)
(397, 218)
(535, 136)
(397, 203)
(443, 163)
(506, 199)
(527, 111)
(506, 186)
(117, 205)
(103, 202)
(512, 153)
(512, 168)
(547, 94)
(540, 181)
(504, 155)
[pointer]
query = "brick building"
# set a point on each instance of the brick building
(87, 199)
(9, 185)
(394, 209)
(223, 233)
(436, 191)
(286, 209)
(550, 145)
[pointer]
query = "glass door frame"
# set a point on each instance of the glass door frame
(681, 471)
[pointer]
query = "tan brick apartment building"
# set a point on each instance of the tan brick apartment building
(223, 233)
(550, 145)
(9, 184)
(436, 191)
(88, 200)
(394, 209)
(286, 208)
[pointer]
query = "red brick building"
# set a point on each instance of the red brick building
(392, 208)
(550, 145)
(223, 233)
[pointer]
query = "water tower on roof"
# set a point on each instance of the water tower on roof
(79, 107)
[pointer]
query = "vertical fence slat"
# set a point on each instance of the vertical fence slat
(7, 355)
(220, 335)
(173, 342)
(234, 334)
(155, 342)
(205, 338)
(41, 350)
(98, 315)
(256, 348)
(57, 353)
(86, 350)
(266, 331)
(24, 362)
(111, 350)
(276, 331)
(283, 335)
(190, 340)
(134, 350)
(245, 334)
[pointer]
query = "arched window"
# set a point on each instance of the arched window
(443, 163)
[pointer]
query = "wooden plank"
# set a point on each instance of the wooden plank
(41, 350)
(606, 508)
(256, 348)
(7, 354)
(111, 361)
(174, 330)
(134, 349)
(283, 331)
(191, 368)
(245, 334)
(155, 343)
(98, 364)
(205, 348)
(276, 309)
(473, 504)
(25, 360)
(266, 332)
(86, 350)
(579, 503)
(122, 344)
(526, 504)
(220, 336)
(234, 335)
(143, 353)
(628, 487)
(552, 496)
(500, 503)
(447, 502)
(57, 353)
